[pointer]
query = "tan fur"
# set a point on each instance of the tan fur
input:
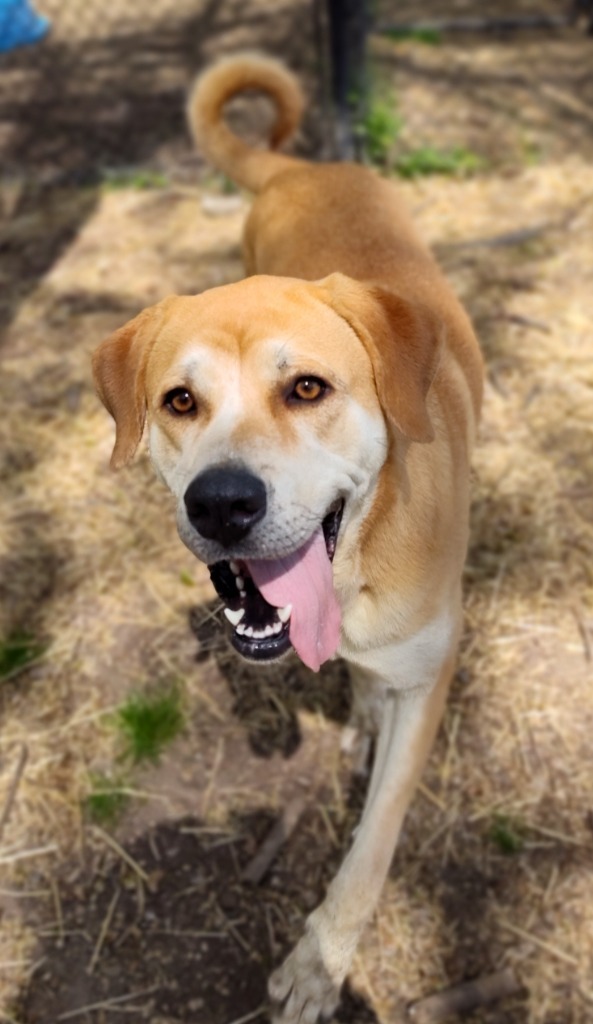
(225, 150)
(346, 291)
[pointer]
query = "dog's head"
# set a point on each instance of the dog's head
(272, 405)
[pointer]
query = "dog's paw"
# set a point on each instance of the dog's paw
(302, 990)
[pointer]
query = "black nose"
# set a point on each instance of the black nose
(224, 503)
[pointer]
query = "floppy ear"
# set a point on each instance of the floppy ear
(403, 341)
(119, 370)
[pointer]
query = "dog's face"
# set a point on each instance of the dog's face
(268, 420)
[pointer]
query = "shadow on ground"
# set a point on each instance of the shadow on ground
(75, 110)
(117, 99)
(266, 699)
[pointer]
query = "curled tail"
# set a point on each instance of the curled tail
(245, 164)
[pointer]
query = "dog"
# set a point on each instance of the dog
(315, 422)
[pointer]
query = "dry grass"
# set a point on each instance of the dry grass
(92, 568)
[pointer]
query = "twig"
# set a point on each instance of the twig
(583, 630)
(232, 930)
(30, 894)
(518, 237)
(14, 785)
(213, 773)
(547, 946)
(522, 321)
(562, 837)
(329, 828)
(110, 841)
(24, 667)
(280, 831)
(103, 932)
(187, 933)
(431, 797)
(106, 1004)
(249, 1016)
(566, 100)
(465, 997)
(59, 913)
(36, 851)
(521, 235)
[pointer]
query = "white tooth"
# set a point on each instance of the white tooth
(277, 627)
(235, 568)
(234, 617)
(249, 631)
(284, 613)
(240, 582)
(259, 634)
(241, 628)
(268, 631)
(242, 593)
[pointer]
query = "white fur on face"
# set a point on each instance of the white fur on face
(303, 475)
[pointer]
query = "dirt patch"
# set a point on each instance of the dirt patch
(171, 933)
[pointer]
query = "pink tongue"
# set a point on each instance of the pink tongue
(304, 580)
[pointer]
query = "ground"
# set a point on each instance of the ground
(146, 915)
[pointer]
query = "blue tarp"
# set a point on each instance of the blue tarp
(20, 24)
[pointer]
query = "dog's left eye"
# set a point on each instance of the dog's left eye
(308, 389)
(180, 401)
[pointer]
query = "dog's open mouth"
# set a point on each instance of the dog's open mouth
(275, 603)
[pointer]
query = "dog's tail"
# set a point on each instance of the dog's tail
(245, 164)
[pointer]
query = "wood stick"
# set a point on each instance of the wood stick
(465, 997)
(518, 237)
(106, 1004)
(566, 99)
(126, 857)
(14, 785)
(583, 630)
(103, 932)
(521, 320)
(276, 837)
(549, 948)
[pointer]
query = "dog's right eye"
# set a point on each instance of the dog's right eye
(180, 401)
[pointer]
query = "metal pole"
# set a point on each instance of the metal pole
(348, 25)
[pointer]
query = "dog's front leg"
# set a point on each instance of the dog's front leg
(307, 985)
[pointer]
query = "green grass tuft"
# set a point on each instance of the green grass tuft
(427, 160)
(381, 127)
(228, 187)
(137, 178)
(149, 722)
(16, 652)
(427, 36)
(106, 801)
(507, 834)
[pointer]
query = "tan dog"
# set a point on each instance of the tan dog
(316, 431)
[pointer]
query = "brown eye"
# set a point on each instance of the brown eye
(308, 389)
(180, 401)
